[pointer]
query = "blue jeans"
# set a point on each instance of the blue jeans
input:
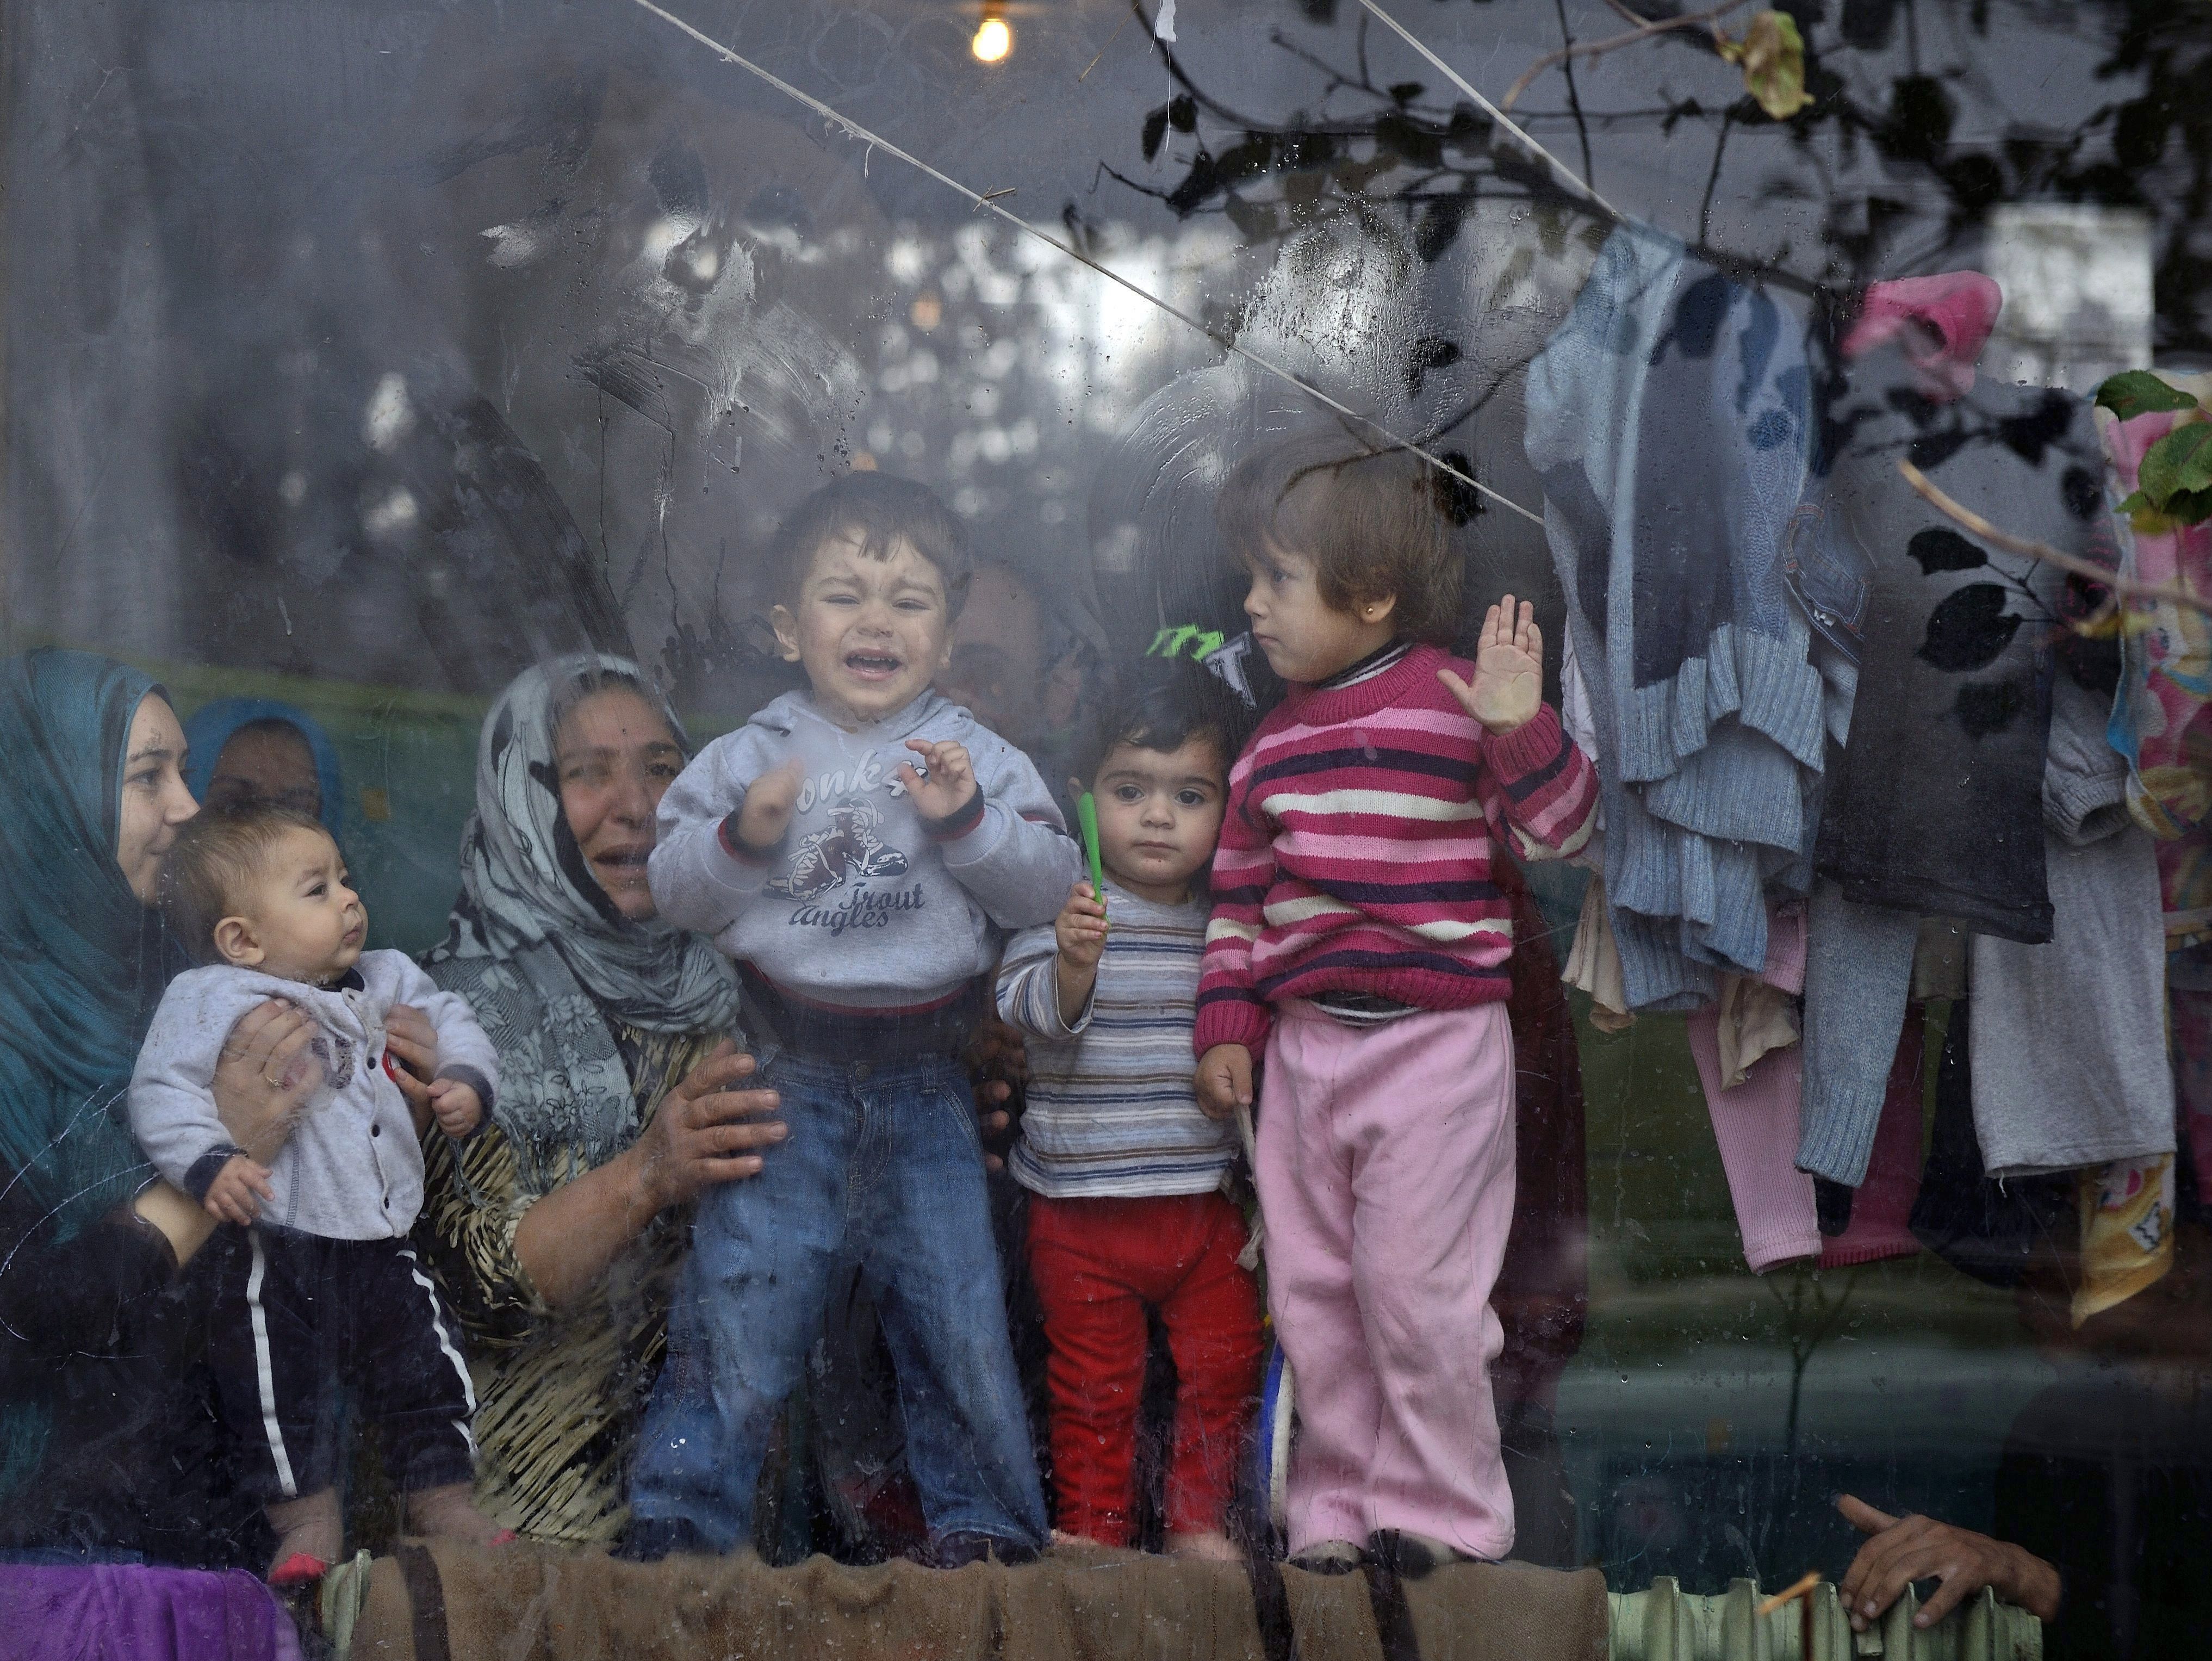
(882, 1167)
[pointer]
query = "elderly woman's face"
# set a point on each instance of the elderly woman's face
(616, 758)
(155, 799)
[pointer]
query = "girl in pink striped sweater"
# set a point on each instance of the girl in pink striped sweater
(1359, 944)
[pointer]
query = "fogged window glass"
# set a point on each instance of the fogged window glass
(1447, 758)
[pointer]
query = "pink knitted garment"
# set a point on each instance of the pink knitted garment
(1944, 322)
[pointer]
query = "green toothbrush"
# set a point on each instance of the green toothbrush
(1087, 815)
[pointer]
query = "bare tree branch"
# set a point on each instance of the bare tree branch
(1593, 48)
(2175, 594)
(1574, 98)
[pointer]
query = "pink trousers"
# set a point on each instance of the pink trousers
(1756, 1125)
(1385, 1173)
(1756, 1122)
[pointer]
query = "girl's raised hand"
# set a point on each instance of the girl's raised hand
(1509, 669)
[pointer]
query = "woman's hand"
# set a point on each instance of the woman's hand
(705, 1132)
(411, 1041)
(1904, 1549)
(997, 1058)
(265, 1076)
(996, 1050)
(993, 1119)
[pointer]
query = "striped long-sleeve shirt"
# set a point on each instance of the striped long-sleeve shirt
(1355, 854)
(1111, 1112)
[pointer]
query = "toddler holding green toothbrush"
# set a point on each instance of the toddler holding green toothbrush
(1124, 1169)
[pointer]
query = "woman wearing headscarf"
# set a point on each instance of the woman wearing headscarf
(620, 1096)
(256, 750)
(109, 1444)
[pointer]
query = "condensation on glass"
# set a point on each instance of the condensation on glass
(414, 396)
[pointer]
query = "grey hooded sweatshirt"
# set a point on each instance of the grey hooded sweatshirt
(865, 906)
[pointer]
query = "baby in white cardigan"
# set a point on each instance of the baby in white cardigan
(319, 1281)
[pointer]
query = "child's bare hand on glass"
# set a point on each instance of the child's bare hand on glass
(236, 1194)
(457, 1107)
(951, 781)
(769, 801)
(1080, 933)
(1509, 670)
(1224, 1080)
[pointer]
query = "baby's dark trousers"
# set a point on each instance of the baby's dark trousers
(302, 1326)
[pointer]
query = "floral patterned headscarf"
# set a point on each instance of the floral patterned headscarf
(537, 949)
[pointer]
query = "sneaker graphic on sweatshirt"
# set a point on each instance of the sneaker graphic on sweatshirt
(848, 847)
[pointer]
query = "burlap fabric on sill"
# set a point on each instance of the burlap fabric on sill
(530, 1603)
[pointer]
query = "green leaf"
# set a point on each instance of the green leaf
(1773, 58)
(2190, 506)
(1970, 629)
(2138, 392)
(2181, 461)
(1940, 549)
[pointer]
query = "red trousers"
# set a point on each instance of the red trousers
(1097, 1266)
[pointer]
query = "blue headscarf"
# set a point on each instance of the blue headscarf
(211, 727)
(82, 959)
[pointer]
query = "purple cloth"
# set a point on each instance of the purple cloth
(117, 1613)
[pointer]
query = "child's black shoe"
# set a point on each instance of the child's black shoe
(1329, 1557)
(962, 1546)
(649, 1539)
(1409, 1556)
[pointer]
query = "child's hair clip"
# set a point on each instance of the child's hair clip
(1203, 643)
